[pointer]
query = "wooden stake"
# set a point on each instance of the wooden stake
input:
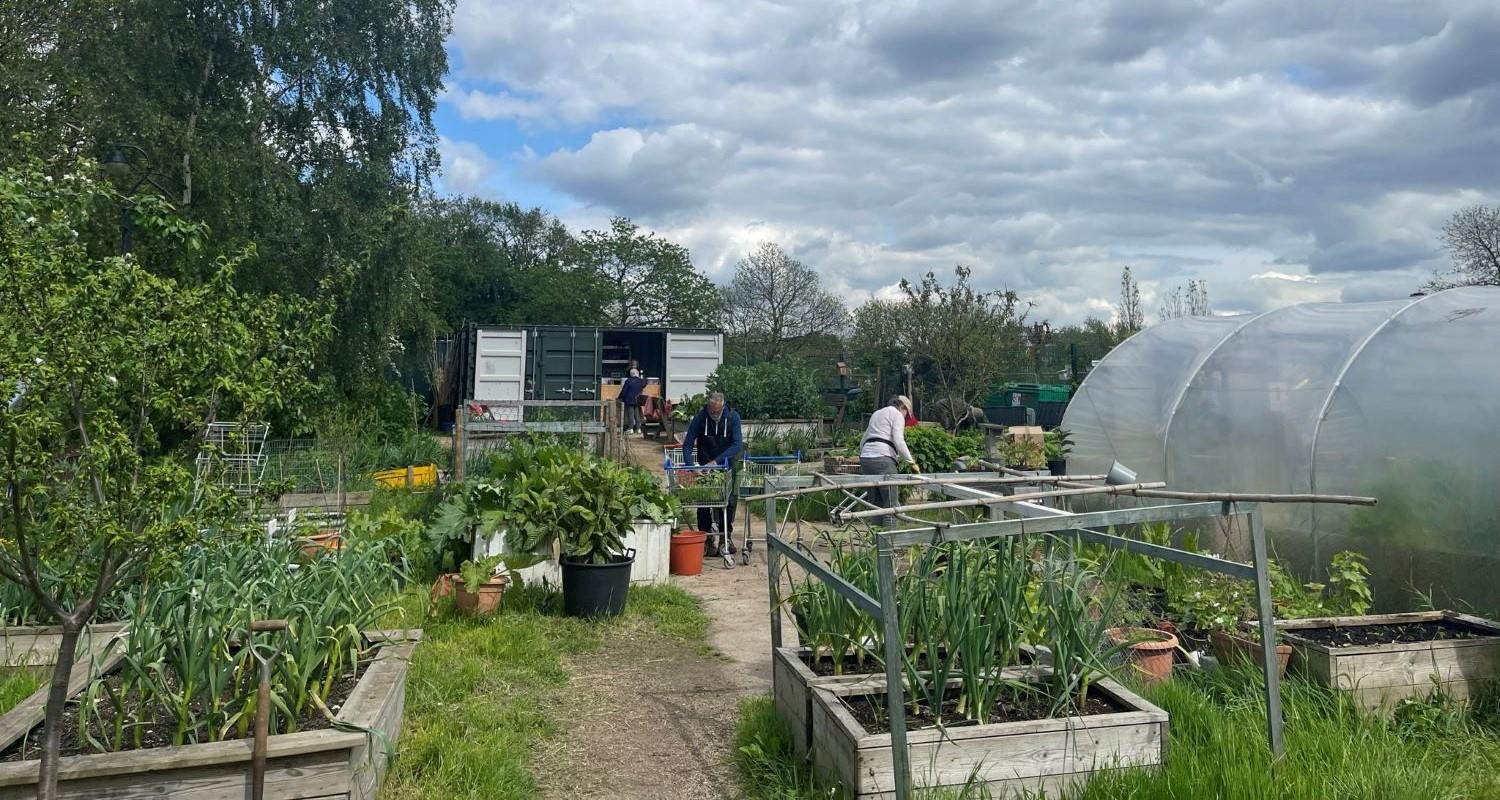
(1128, 488)
(917, 480)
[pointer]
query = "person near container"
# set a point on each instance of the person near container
(882, 450)
(630, 398)
(713, 437)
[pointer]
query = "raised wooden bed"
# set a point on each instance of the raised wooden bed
(37, 645)
(324, 764)
(1380, 675)
(1013, 758)
(792, 682)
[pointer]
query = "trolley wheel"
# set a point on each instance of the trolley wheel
(728, 560)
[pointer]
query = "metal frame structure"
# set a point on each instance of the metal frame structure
(1031, 518)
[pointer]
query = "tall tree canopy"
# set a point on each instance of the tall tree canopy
(304, 127)
(647, 280)
(774, 302)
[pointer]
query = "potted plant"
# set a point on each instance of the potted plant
(479, 587)
(596, 563)
(1056, 447)
(653, 513)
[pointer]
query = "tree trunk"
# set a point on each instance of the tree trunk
(57, 698)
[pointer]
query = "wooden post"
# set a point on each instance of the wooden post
(459, 416)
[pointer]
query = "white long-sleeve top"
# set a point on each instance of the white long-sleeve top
(889, 424)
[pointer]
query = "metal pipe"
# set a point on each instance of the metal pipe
(1223, 497)
(1267, 633)
(980, 501)
(895, 700)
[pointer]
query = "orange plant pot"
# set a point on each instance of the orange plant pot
(1229, 648)
(321, 542)
(482, 603)
(687, 553)
(1149, 652)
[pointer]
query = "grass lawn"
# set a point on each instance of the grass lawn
(1427, 751)
(482, 692)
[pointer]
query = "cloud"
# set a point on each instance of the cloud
(466, 167)
(1258, 145)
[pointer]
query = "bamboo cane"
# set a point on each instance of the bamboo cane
(917, 480)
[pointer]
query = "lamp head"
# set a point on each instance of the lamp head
(116, 165)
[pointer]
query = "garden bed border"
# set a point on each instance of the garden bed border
(1379, 676)
(322, 764)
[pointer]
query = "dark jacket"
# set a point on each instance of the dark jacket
(631, 390)
(713, 441)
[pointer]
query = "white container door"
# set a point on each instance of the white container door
(691, 358)
(499, 366)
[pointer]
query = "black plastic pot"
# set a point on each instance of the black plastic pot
(1058, 467)
(596, 590)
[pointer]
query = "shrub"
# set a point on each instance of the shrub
(774, 390)
(936, 449)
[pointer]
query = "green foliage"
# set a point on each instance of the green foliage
(827, 622)
(400, 536)
(936, 449)
(703, 487)
(477, 573)
(646, 280)
(1213, 601)
(18, 684)
(185, 656)
(111, 373)
(769, 769)
(772, 390)
(1058, 444)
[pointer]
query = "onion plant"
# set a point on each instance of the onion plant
(187, 657)
(829, 623)
(1074, 612)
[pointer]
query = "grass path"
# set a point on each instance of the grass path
(486, 696)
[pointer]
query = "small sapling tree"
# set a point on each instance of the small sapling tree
(108, 376)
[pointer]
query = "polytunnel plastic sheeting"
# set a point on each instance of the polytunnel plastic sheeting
(1400, 400)
(1127, 399)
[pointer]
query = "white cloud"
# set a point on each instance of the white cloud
(1278, 149)
(466, 167)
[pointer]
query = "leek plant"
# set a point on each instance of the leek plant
(1074, 612)
(187, 659)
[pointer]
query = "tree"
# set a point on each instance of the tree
(1190, 303)
(109, 374)
(1472, 239)
(499, 263)
(306, 132)
(958, 340)
(1129, 319)
(775, 301)
(648, 281)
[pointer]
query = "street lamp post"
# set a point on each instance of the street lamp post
(120, 167)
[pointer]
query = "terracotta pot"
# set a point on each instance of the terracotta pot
(1150, 651)
(442, 587)
(1230, 648)
(322, 541)
(687, 552)
(482, 603)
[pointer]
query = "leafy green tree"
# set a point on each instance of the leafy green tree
(648, 281)
(302, 127)
(499, 263)
(108, 376)
(957, 339)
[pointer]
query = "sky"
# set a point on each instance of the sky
(1283, 151)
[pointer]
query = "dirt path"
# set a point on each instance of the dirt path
(653, 719)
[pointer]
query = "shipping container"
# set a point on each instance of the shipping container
(564, 362)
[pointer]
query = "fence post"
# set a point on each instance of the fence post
(458, 439)
(895, 650)
(1267, 613)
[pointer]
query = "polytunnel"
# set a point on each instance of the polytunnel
(1399, 400)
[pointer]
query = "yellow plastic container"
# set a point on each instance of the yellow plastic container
(425, 475)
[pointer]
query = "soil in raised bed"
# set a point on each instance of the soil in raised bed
(159, 732)
(1440, 630)
(823, 665)
(1014, 705)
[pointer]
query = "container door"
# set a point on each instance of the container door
(499, 365)
(691, 358)
(568, 364)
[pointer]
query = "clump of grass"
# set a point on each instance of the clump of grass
(763, 753)
(19, 684)
(1333, 749)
